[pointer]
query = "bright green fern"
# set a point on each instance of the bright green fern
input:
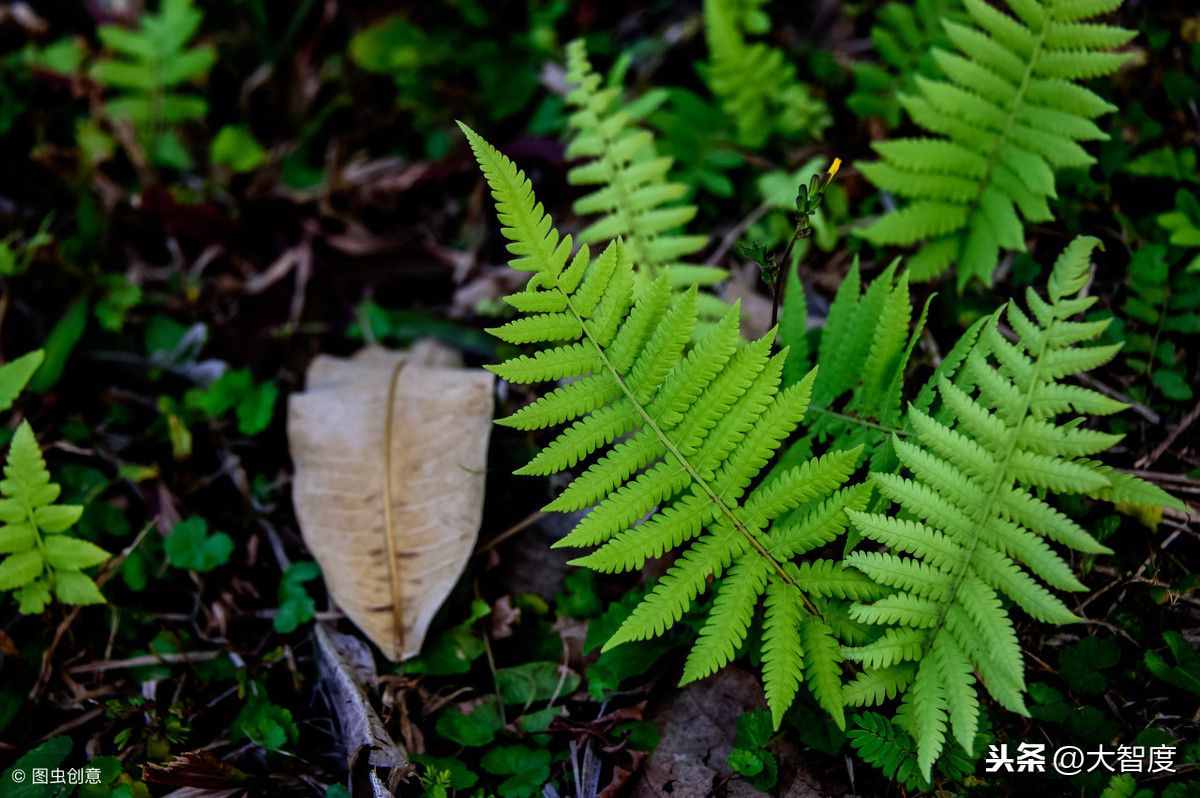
(633, 195)
(41, 559)
(1009, 112)
(973, 519)
(676, 433)
(154, 66)
(755, 83)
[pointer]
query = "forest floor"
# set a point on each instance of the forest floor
(344, 210)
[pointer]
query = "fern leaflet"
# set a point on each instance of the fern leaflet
(15, 375)
(903, 35)
(864, 349)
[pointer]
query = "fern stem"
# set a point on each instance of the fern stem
(903, 433)
(1001, 481)
(1001, 139)
(785, 265)
(39, 541)
(669, 445)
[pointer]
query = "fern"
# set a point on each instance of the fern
(41, 557)
(756, 85)
(1161, 304)
(866, 343)
(153, 68)
(886, 746)
(1008, 114)
(865, 346)
(903, 37)
(972, 518)
(1183, 225)
(702, 157)
(1122, 786)
(634, 198)
(677, 434)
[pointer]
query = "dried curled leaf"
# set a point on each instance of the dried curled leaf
(390, 451)
(347, 668)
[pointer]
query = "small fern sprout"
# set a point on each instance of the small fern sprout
(675, 429)
(974, 526)
(150, 71)
(41, 558)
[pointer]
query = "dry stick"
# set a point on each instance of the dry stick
(521, 525)
(1161, 449)
(146, 660)
(1165, 478)
(276, 542)
(1119, 581)
(324, 615)
(735, 232)
(74, 723)
(491, 661)
(1112, 628)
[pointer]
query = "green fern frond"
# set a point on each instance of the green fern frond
(41, 559)
(782, 650)
(886, 746)
(152, 67)
(971, 526)
(677, 429)
(632, 194)
(755, 83)
(1007, 114)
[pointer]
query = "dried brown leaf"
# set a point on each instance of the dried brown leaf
(390, 452)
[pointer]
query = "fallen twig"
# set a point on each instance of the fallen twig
(1169, 441)
(146, 660)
